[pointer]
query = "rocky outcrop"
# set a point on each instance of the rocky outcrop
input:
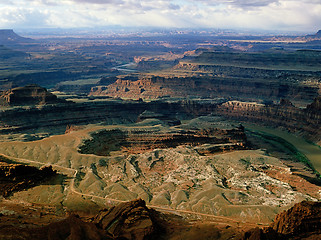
(222, 81)
(28, 95)
(302, 218)
(128, 220)
(141, 140)
(302, 221)
(17, 177)
(317, 35)
(71, 228)
(55, 117)
(277, 115)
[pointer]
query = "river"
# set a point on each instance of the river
(126, 67)
(311, 151)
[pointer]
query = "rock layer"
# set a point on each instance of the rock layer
(302, 221)
(16, 177)
(139, 141)
(129, 220)
(28, 95)
(209, 86)
(305, 121)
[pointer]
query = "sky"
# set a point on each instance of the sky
(280, 15)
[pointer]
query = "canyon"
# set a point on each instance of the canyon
(105, 138)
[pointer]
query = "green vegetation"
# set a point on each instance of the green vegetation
(292, 150)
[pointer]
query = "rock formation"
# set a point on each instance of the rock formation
(278, 115)
(129, 220)
(16, 177)
(223, 81)
(317, 35)
(28, 95)
(302, 221)
(134, 221)
(73, 228)
(245, 76)
(8, 37)
(284, 114)
(302, 218)
(57, 116)
(135, 141)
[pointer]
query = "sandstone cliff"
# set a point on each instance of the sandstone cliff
(218, 81)
(28, 95)
(302, 221)
(135, 141)
(306, 121)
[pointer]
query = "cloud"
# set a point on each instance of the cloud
(259, 14)
(22, 18)
(117, 2)
(243, 4)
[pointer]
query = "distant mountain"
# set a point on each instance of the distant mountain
(9, 37)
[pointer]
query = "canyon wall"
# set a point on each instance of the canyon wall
(306, 121)
(216, 85)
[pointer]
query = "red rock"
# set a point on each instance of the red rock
(130, 220)
(302, 221)
(304, 217)
(28, 95)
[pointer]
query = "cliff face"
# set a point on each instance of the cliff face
(294, 119)
(28, 95)
(262, 84)
(16, 177)
(307, 121)
(56, 117)
(302, 218)
(302, 221)
(315, 107)
(141, 141)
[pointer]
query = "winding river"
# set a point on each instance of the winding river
(311, 151)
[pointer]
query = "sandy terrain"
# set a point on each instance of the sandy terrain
(242, 185)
